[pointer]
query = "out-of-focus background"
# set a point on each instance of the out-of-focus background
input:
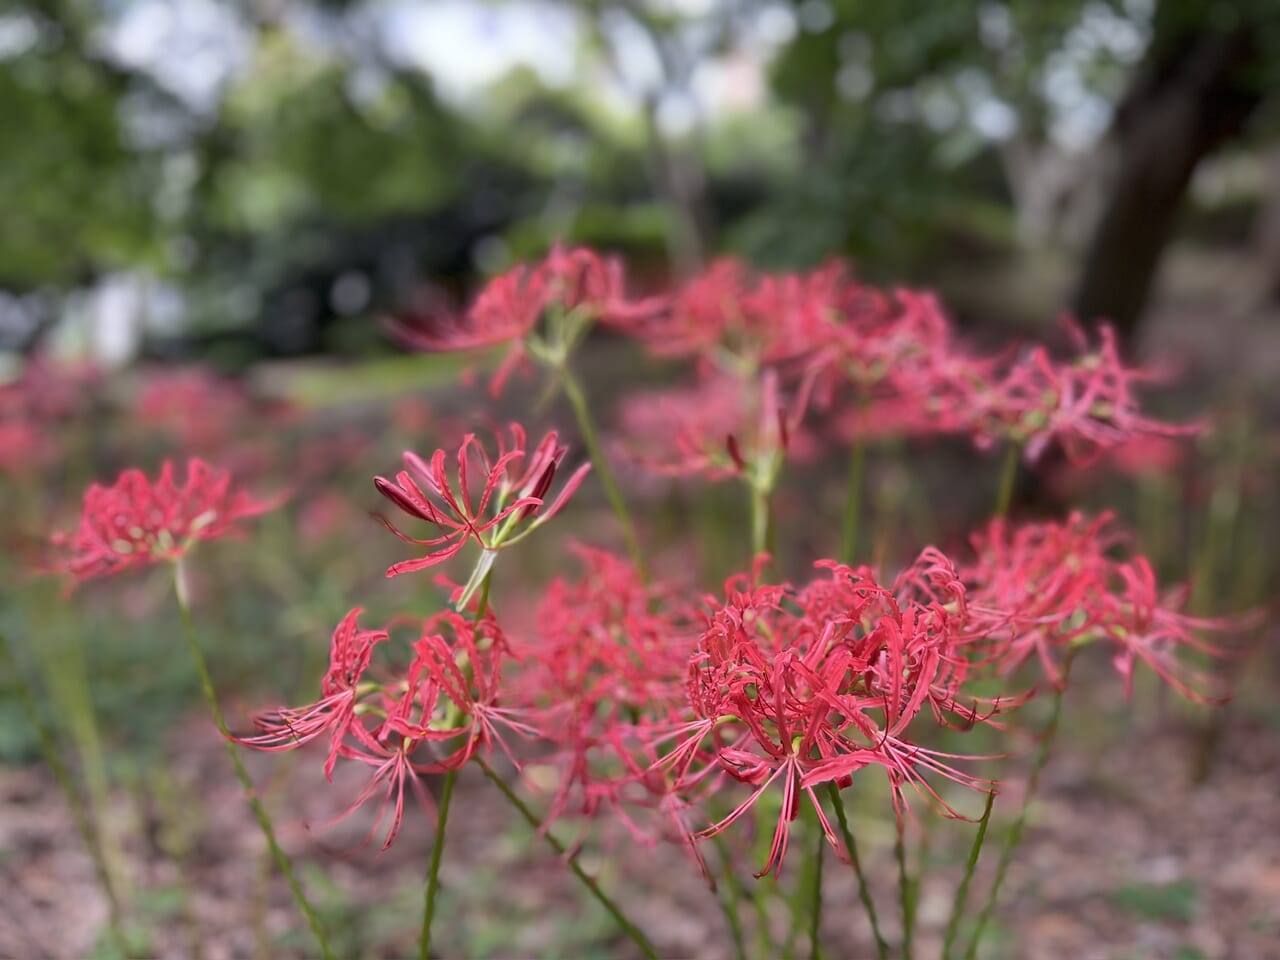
(245, 180)
(209, 211)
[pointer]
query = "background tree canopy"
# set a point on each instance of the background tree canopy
(273, 175)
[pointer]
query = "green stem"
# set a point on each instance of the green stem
(864, 891)
(906, 893)
(730, 902)
(1008, 479)
(261, 890)
(67, 676)
(803, 904)
(815, 916)
(259, 811)
(761, 522)
(442, 820)
(853, 498)
(587, 427)
(84, 825)
(631, 930)
(1015, 833)
(433, 878)
(962, 894)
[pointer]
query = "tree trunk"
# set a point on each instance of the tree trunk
(1194, 92)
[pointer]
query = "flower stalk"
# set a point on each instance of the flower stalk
(259, 811)
(962, 892)
(864, 891)
(442, 818)
(79, 814)
(590, 882)
(853, 490)
(600, 463)
(1008, 478)
(1014, 837)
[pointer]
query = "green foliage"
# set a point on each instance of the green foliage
(1173, 901)
(75, 192)
(303, 139)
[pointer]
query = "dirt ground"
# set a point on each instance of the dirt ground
(1124, 858)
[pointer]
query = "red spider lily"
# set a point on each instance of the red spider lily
(456, 676)
(890, 367)
(450, 694)
(725, 426)
(581, 280)
(393, 769)
(811, 686)
(899, 340)
(36, 407)
(572, 288)
(505, 310)
(1087, 405)
(24, 447)
(733, 320)
(49, 391)
(195, 407)
(432, 718)
(335, 712)
(1045, 588)
(136, 521)
(606, 662)
(706, 311)
(516, 482)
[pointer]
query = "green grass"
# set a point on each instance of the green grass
(317, 387)
(1172, 901)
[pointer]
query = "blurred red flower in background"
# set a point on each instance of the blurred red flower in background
(135, 521)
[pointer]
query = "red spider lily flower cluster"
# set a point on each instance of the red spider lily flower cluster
(24, 446)
(607, 657)
(1086, 404)
(513, 486)
(431, 717)
(33, 408)
(651, 708)
(571, 289)
(882, 362)
(193, 406)
(137, 521)
(810, 686)
(1043, 589)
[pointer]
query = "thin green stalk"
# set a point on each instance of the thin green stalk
(586, 426)
(815, 915)
(962, 894)
(1015, 833)
(433, 878)
(761, 522)
(261, 898)
(67, 676)
(906, 893)
(442, 820)
(84, 825)
(1008, 479)
(259, 811)
(734, 895)
(629, 928)
(864, 891)
(853, 497)
(806, 896)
